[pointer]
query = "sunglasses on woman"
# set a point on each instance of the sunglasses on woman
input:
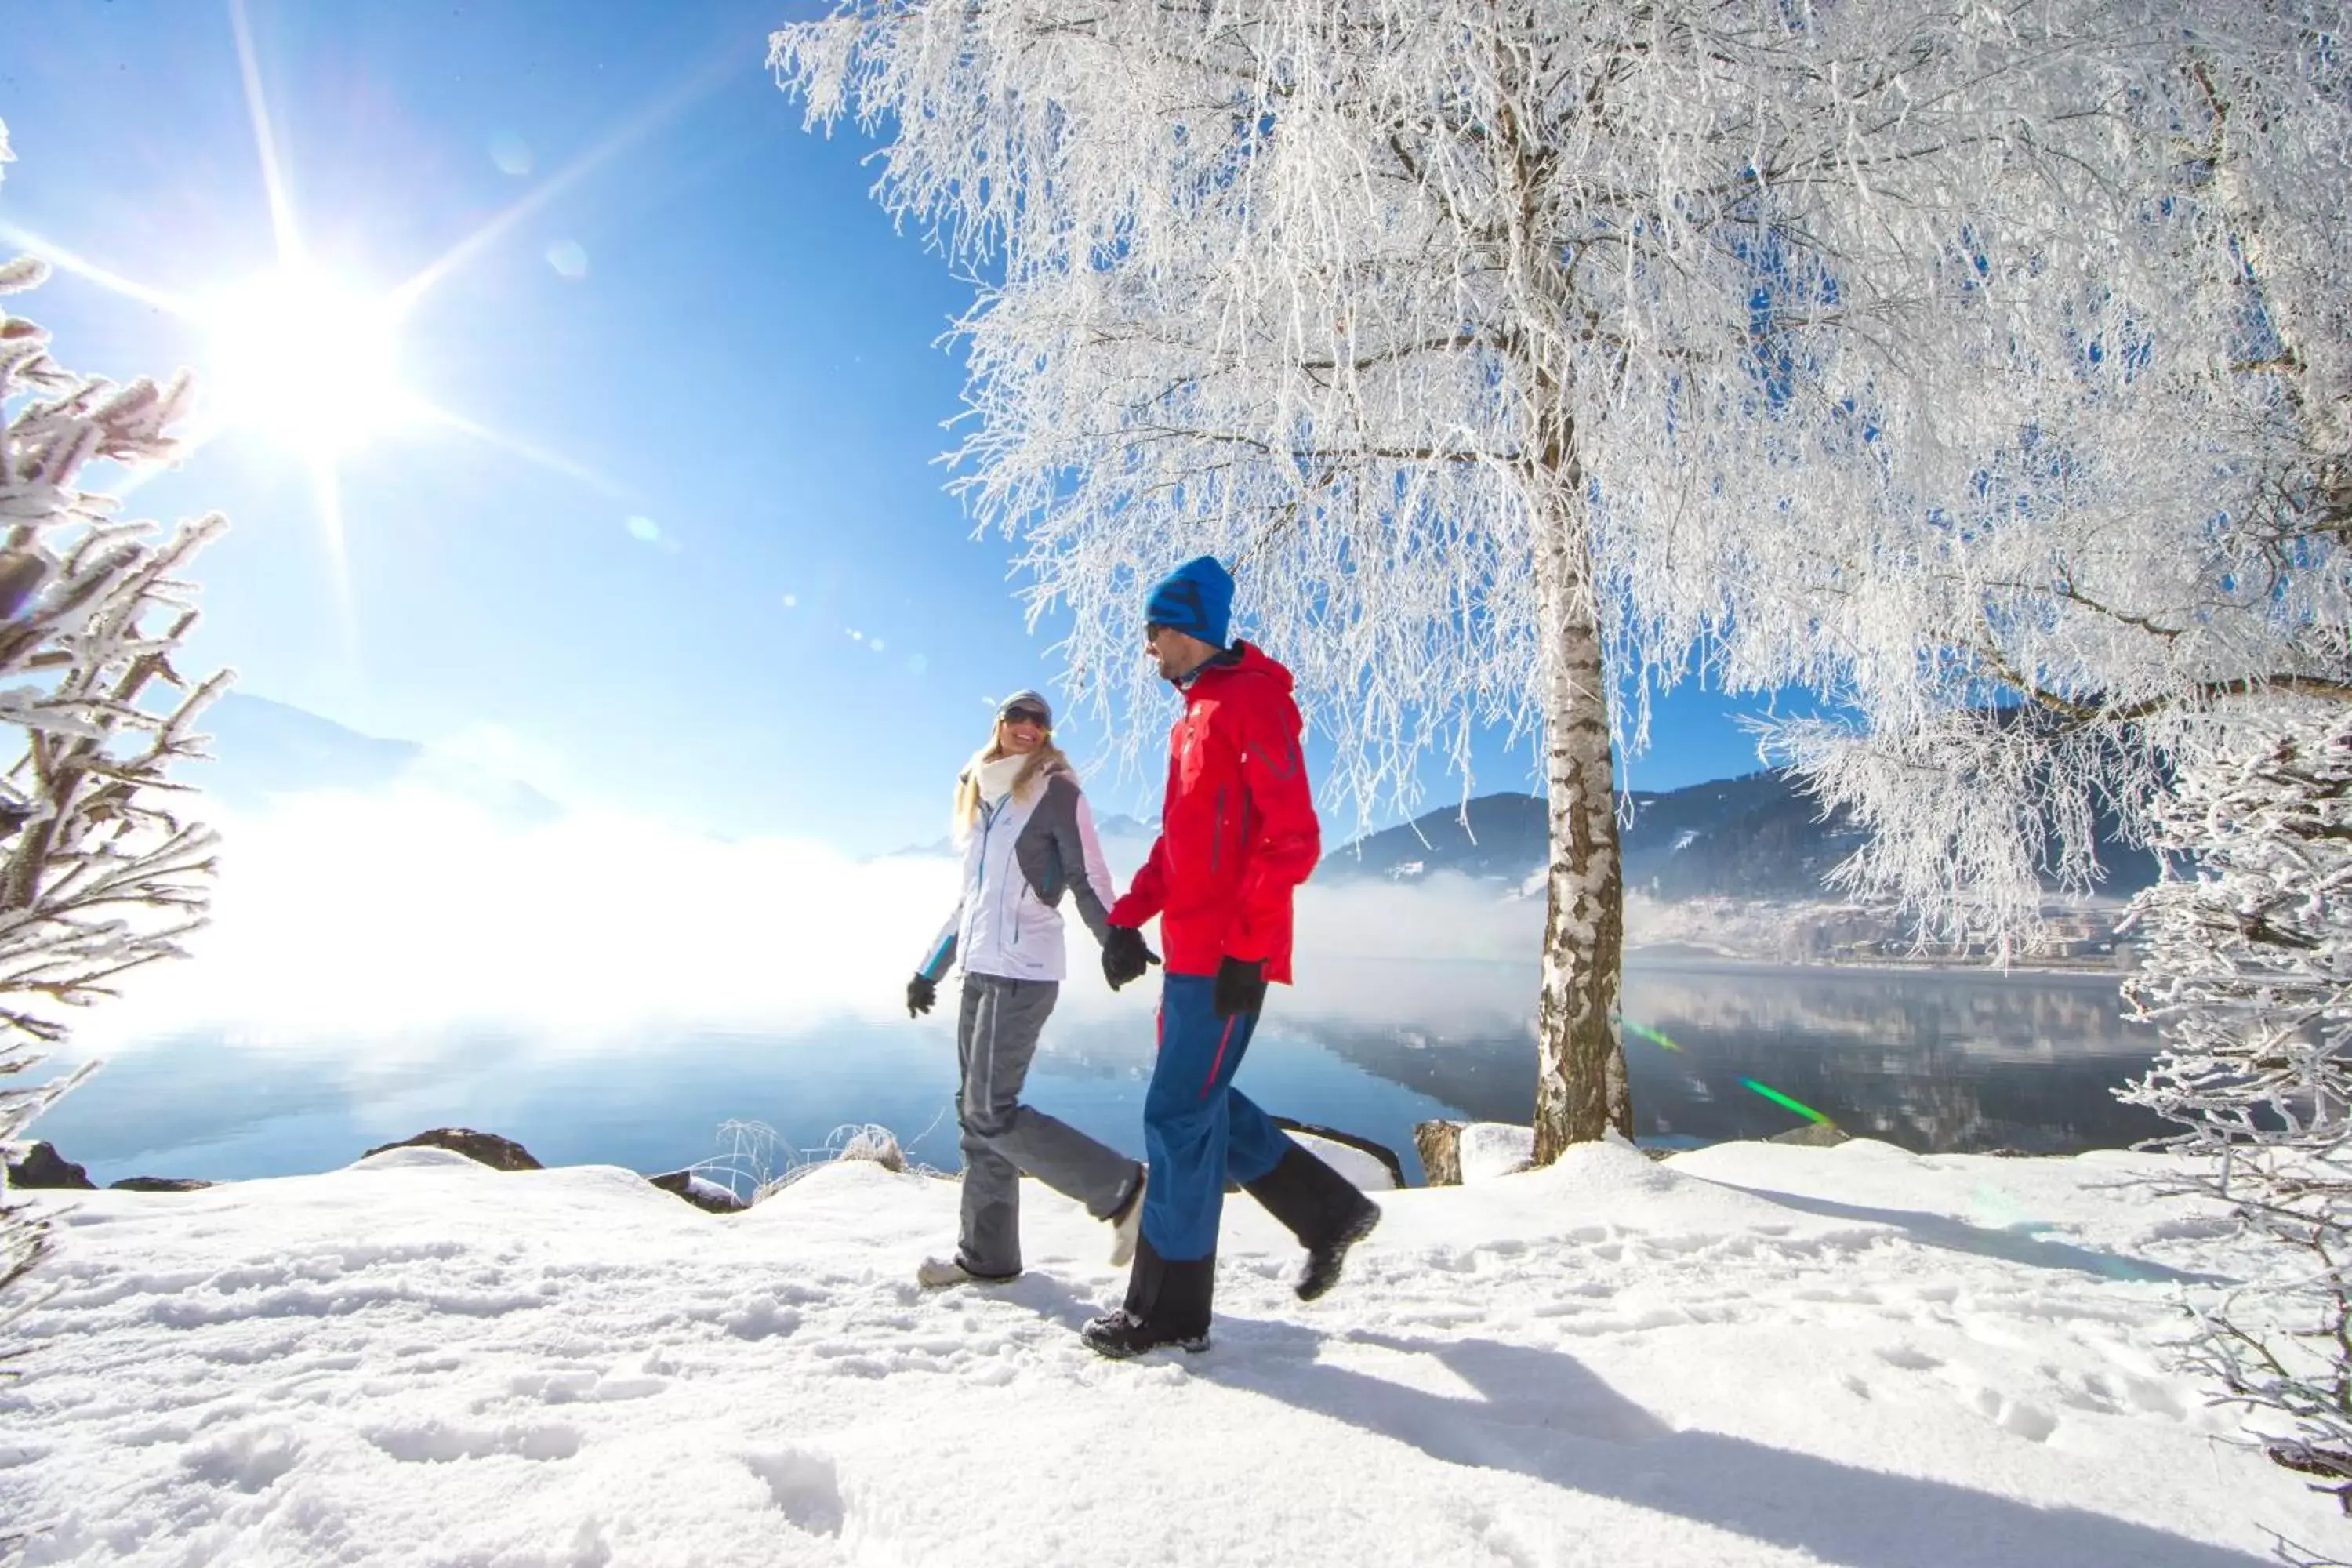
(1022, 716)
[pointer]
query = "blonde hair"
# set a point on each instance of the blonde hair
(1046, 759)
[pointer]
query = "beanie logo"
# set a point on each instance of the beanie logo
(1196, 599)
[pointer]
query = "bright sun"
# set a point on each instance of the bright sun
(308, 360)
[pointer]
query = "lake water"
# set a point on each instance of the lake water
(1933, 1060)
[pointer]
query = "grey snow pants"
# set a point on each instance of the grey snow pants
(996, 1037)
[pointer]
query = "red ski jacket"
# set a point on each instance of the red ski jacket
(1237, 832)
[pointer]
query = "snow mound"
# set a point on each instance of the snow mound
(422, 1157)
(1365, 1169)
(1490, 1149)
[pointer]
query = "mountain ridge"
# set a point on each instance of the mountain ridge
(1756, 836)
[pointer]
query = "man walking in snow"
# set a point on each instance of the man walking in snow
(1237, 834)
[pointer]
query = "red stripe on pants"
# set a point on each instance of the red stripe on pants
(1223, 1041)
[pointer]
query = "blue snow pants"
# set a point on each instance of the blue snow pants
(1197, 1129)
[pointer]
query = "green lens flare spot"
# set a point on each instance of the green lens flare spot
(1647, 1033)
(1776, 1098)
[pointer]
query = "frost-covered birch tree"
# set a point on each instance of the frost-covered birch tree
(2141, 607)
(1519, 355)
(100, 873)
(2164, 536)
(2248, 970)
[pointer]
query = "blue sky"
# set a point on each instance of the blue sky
(686, 553)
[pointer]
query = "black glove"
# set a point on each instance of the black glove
(1125, 957)
(1241, 987)
(921, 991)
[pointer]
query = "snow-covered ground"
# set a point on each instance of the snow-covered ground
(1749, 1355)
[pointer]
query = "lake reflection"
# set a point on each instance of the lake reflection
(1933, 1060)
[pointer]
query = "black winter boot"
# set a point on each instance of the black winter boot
(1322, 1208)
(1324, 1258)
(1167, 1304)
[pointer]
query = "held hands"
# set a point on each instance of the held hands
(1125, 957)
(1241, 987)
(921, 991)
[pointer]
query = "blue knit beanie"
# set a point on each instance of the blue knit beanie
(1196, 599)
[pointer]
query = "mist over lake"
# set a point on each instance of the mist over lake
(1929, 1060)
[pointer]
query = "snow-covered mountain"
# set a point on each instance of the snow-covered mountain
(1758, 836)
(1755, 836)
(263, 749)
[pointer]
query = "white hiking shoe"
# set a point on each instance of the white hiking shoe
(1127, 1223)
(933, 1273)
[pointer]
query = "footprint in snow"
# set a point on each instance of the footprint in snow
(761, 1319)
(1838, 1295)
(250, 1459)
(2019, 1417)
(441, 1443)
(2014, 1415)
(805, 1487)
(583, 1386)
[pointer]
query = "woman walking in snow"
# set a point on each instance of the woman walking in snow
(1028, 840)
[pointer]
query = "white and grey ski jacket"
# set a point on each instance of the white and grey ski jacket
(1019, 861)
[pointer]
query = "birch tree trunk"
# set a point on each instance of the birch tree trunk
(1580, 1087)
(1581, 1090)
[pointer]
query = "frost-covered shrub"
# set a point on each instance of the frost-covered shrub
(2249, 971)
(100, 874)
(755, 1164)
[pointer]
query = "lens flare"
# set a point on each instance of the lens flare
(1647, 1033)
(1776, 1098)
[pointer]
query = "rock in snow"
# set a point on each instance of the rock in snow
(1369, 1164)
(1359, 1165)
(38, 1164)
(700, 1191)
(1747, 1356)
(499, 1153)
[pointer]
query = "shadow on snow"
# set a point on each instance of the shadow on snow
(1544, 1414)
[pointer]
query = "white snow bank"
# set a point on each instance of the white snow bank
(1365, 1169)
(416, 1157)
(1747, 1355)
(1491, 1148)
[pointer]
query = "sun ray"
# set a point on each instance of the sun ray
(284, 291)
(326, 490)
(82, 267)
(553, 462)
(631, 131)
(265, 140)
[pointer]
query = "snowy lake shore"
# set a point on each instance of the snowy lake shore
(1746, 1354)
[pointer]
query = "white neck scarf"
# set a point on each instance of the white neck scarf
(996, 778)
